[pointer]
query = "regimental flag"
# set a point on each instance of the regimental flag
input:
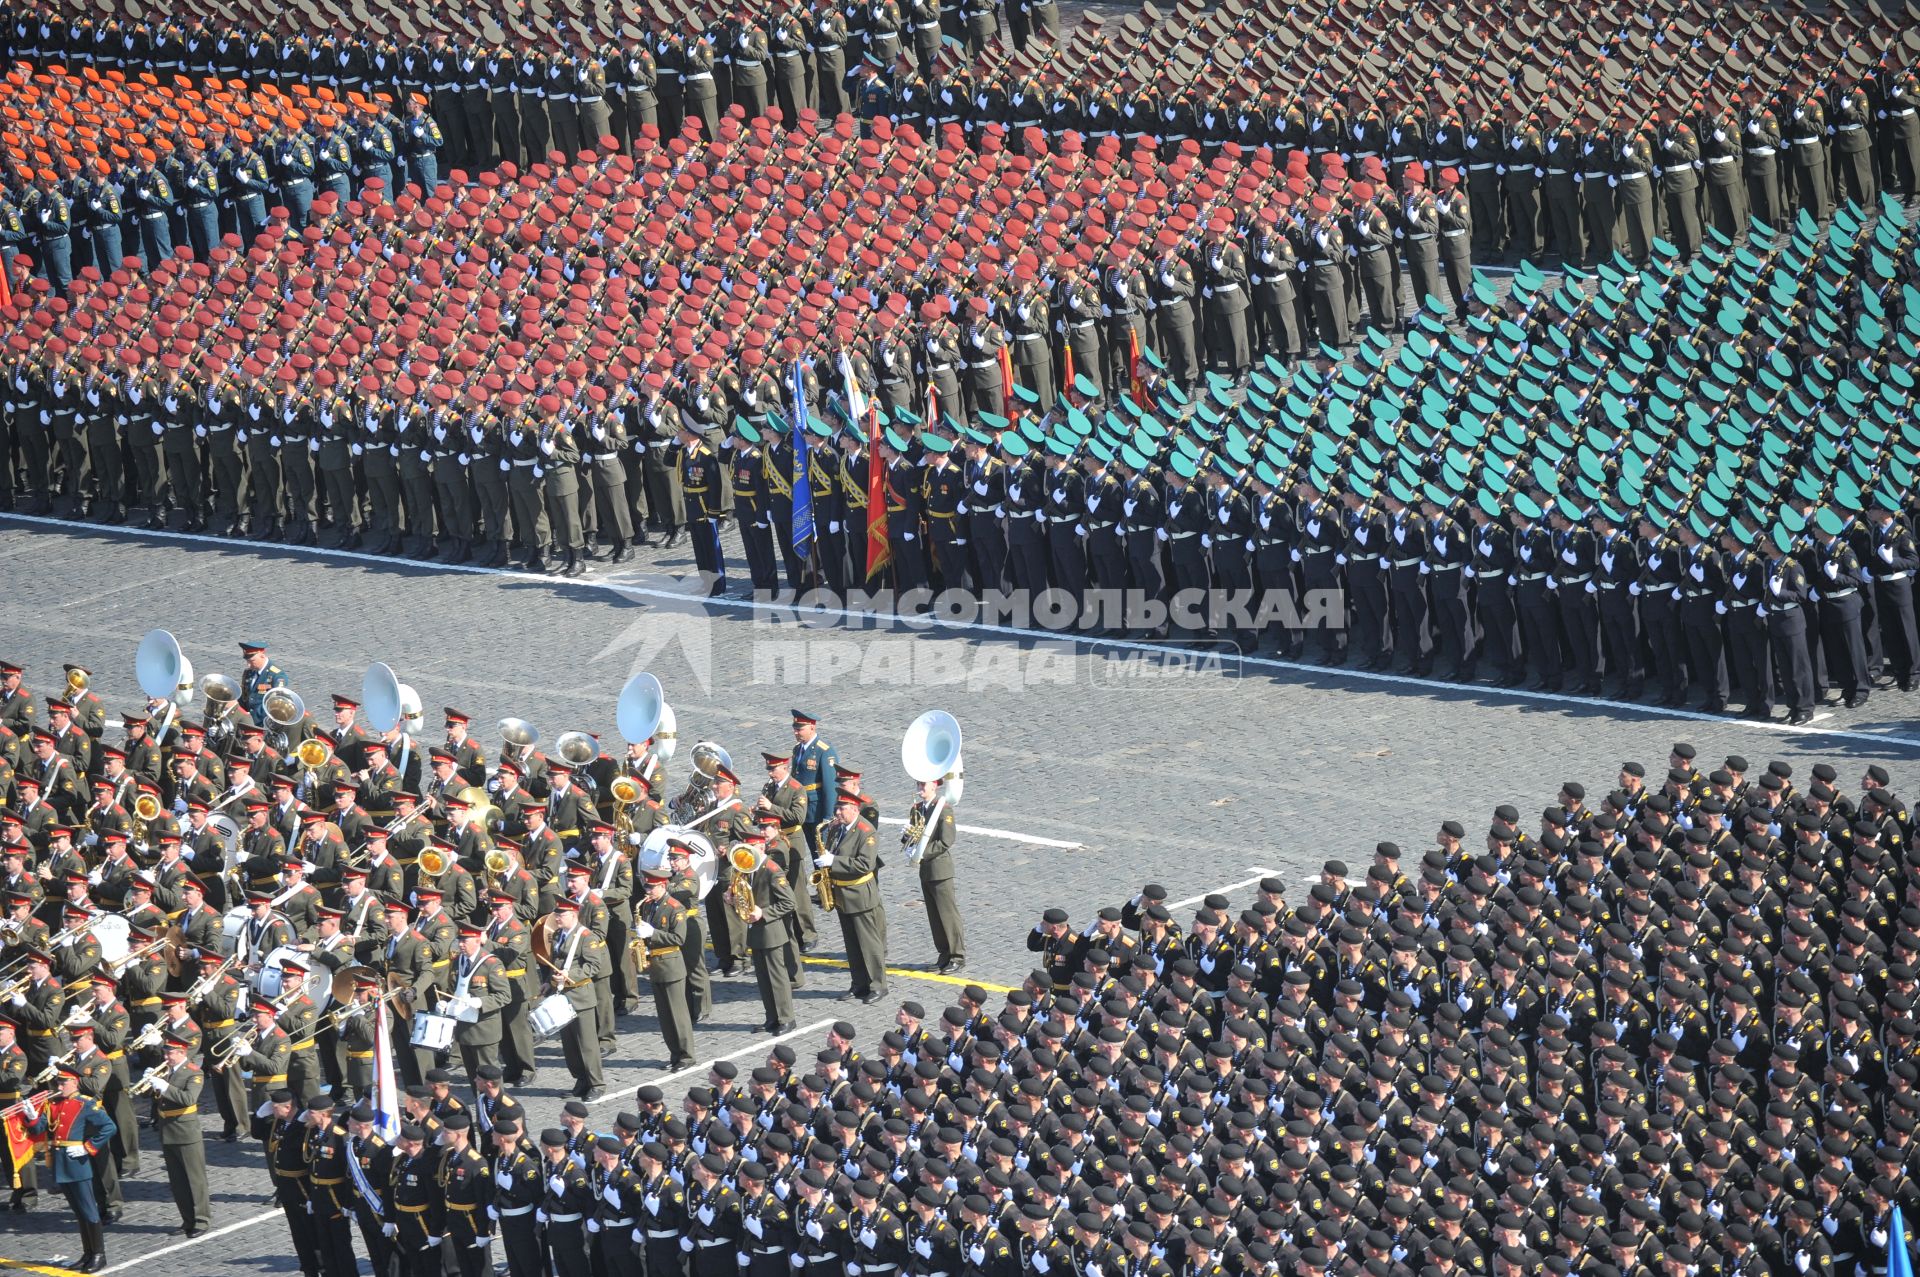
(1006, 382)
(866, 416)
(1133, 367)
(1899, 1260)
(21, 1146)
(6, 280)
(386, 1083)
(802, 483)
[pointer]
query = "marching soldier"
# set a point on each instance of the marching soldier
(770, 938)
(176, 1116)
(850, 855)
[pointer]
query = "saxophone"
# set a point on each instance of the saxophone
(821, 880)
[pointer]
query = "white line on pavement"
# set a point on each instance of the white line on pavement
(201, 1240)
(1008, 834)
(762, 1047)
(1258, 872)
(1009, 631)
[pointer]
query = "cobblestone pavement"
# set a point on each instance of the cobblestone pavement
(1085, 777)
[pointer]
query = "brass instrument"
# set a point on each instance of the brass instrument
(347, 1008)
(52, 1071)
(146, 810)
(236, 1045)
(479, 809)
(432, 865)
(823, 881)
(149, 1083)
(627, 794)
(76, 681)
(708, 759)
(200, 988)
(285, 710)
(745, 861)
(149, 1038)
(499, 862)
(916, 826)
(37, 1100)
(115, 969)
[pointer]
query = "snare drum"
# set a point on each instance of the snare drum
(433, 1032)
(466, 1010)
(552, 1014)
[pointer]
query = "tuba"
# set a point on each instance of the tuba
(930, 751)
(433, 863)
(286, 711)
(77, 681)
(627, 794)
(697, 797)
(642, 713)
(745, 860)
(164, 674)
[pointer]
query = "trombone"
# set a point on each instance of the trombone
(200, 988)
(340, 1015)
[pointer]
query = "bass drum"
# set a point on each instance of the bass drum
(232, 923)
(704, 861)
(272, 980)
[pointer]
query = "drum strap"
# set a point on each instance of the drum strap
(573, 947)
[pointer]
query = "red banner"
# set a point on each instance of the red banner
(21, 1146)
(1133, 366)
(1066, 368)
(1006, 383)
(879, 553)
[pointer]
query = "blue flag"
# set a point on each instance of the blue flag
(1899, 1263)
(802, 483)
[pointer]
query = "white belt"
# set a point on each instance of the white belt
(617, 1223)
(663, 1234)
(564, 1219)
(1760, 150)
(708, 1243)
(1227, 288)
(1721, 159)
(1595, 176)
(516, 1210)
(983, 363)
(1804, 141)
(1479, 168)
(1894, 576)
(1851, 128)
(526, 463)
(698, 75)
(1901, 115)
(754, 63)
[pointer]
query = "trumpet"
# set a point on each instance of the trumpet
(35, 1101)
(52, 1071)
(236, 1045)
(200, 988)
(151, 1082)
(148, 1039)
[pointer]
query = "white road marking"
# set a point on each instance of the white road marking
(1258, 872)
(1008, 834)
(1008, 631)
(760, 1047)
(201, 1240)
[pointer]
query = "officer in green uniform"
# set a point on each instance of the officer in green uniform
(661, 925)
(579, 957)
(176, 1117)
(770, 939)
(933, 852)
(850, 853)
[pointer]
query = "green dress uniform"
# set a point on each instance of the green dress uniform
(176, 1116)
(855, 861)
(663, 926)
(1679, 172)
(936, 886)
(1762, 152)
(484, 979)
(1806, 136)
(1634, 191)
(770, 938)
(582, 957)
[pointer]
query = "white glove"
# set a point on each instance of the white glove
(1675, 593)
(1592, 588)
(705, 1214)
(823, 861)
(1079, 529)
(742, 1259)
(611, 1196)
(19, 999)
(493, 1213)
(815, 1231)
(645, 929)
(1341, 559)
(465, 459)
(686, 1245)
(1041, 1264)
(431, 1243)
(923, 1248)
(546, 446)
(355, 449)
(426, 458)
(389, 1230)
(439, 434)
(1633, 588)
(1886, 553)
(1697, 572)
(481, 1243)
(906, 536)
(240, 437)
(505, 465)
(796, 1261)
(639, 1239)
(539, 472)
(81, 1154)
(754, 1226)
(540, 1216)
(557, 1185)
(833, 527)
(158, 428)
(1719, 607)
(313, 445)
(1206, 540)
(199, 432)
(593, 1225)
(1160, 534)
(1294, 555)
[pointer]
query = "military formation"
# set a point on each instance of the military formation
(211, 917)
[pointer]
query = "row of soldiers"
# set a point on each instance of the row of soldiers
(189, 194)
(1666, 1032)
